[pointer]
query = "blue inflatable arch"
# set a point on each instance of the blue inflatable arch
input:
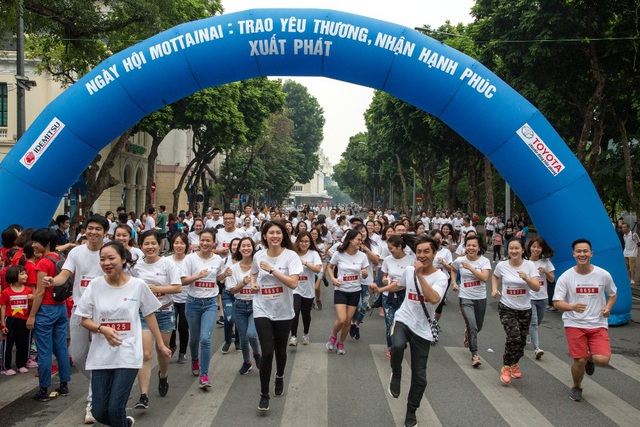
(474, 102)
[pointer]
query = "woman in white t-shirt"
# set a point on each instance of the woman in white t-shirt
(539, 253)
(274, 276)
(239, 284)
(372, 250)
(163, 278)
(321, 247)
(194, 236)
(122, 235)
(352, 268)
(517, 277)
(474, 270)
(180, 245)
(393, 267)
(110, 309)
(411, 324)
(200, 271)
(303, 295)
(443, 262)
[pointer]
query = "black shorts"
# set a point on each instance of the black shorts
(489, 233)
(351, 299)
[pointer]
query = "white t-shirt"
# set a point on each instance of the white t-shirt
(426, 221)
(194, 239)
(470, 286)
(224, 238)
(85, 264)
(117, 307)
(375, 248)
(136, 254)
(205, 287)
(112, 228)
(489, 223)
(542, 293)
(515, 291)
(590, 289)
(349, 267)
(254, 220)
(237, 276)
(410, 312)
(163, 272)
(395, 268)
(182, 296)
(456, 223)
(274, 300)
(307, 279)
(631, 241)
(212, 223)
(445, 254)
(149, 223)
(330, 223)
(463, 232)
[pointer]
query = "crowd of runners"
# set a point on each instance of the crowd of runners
(129, 286)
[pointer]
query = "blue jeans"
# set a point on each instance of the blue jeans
(201, 315)
(228, 301)
(243, 311)
(111, 389)
(389, 317)
(51, 338)
(538, 307)
(362, 306)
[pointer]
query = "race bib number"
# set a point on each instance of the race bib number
(516, 292)
(123, 326)
(271, 292)
(541, 283)
(414, 297)
(84, 281)
(471, 284)
(206, 284)
(246, 291)
(347, 279)
(302, 278)
(587, 290)
(19, 302)
(159, 294)
(225, 244)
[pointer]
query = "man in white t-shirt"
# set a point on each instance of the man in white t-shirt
(225, 235)
(457, 221)
(489, 227)
(585, 295)
(215, 219)
(150, 223)
(248, 212)
(188, 220)
(631, 242)
(332, 220)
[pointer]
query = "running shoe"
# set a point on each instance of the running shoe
(42, 395)
(23, 370)
(465, 340)
(245, 368)
(389, 353)
(88, 416)
(331, 343)
(590, 367)
(410, 419)
(182, 359)
(475, 361)
(163, 385)
(143, 402)
(394, 385)
(195, 367)
(258, 360)
(225, 347)
(341, 348)
(63, 390)
(352, 330)
(130, 420)
(381, 312)
(238, 347)
(9, 372)
(539, 353)
(357, 336)
(264, 402)
(515, 371)
(576, 394)
(220, 321)
(279, 388)
(293, 342)
(305, 340)
(204, 382)
(505, 374)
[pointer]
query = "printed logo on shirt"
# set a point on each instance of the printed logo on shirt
(84, 281)
(472, 284)
(162, 274)
(130, 299)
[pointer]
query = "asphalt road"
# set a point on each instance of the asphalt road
(324, 389)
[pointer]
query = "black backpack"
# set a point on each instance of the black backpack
(64, 291)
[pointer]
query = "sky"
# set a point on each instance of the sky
(344, 103)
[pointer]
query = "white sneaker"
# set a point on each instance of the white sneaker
(293, 342)
(88, 417)
(539, 353)
(130, 420)
(305, 340)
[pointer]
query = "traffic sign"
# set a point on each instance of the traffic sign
(243, 199)
(419, 198)
(235, 201)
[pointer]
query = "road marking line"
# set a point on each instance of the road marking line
(626, 366)
(425, 413)
(510, 404)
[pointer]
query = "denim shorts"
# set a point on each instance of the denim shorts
(166, 318)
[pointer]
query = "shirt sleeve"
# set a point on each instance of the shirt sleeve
(148, 302)
(255, 268)
(84, 307)
(560, 293)
(173, 273)
(294, 264)
(498, 271)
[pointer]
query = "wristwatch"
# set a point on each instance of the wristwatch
(271, 271)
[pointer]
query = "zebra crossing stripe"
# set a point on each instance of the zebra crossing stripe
(510, 404)
(198, 405)
(307, 405)
(626, 366)
(424, 414)
(619, 411)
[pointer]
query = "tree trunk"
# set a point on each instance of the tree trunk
(488, 185)
(178, 189)
(628, 169)
(591, 107)
(596, 145)
(151, 169)
(403, 182)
